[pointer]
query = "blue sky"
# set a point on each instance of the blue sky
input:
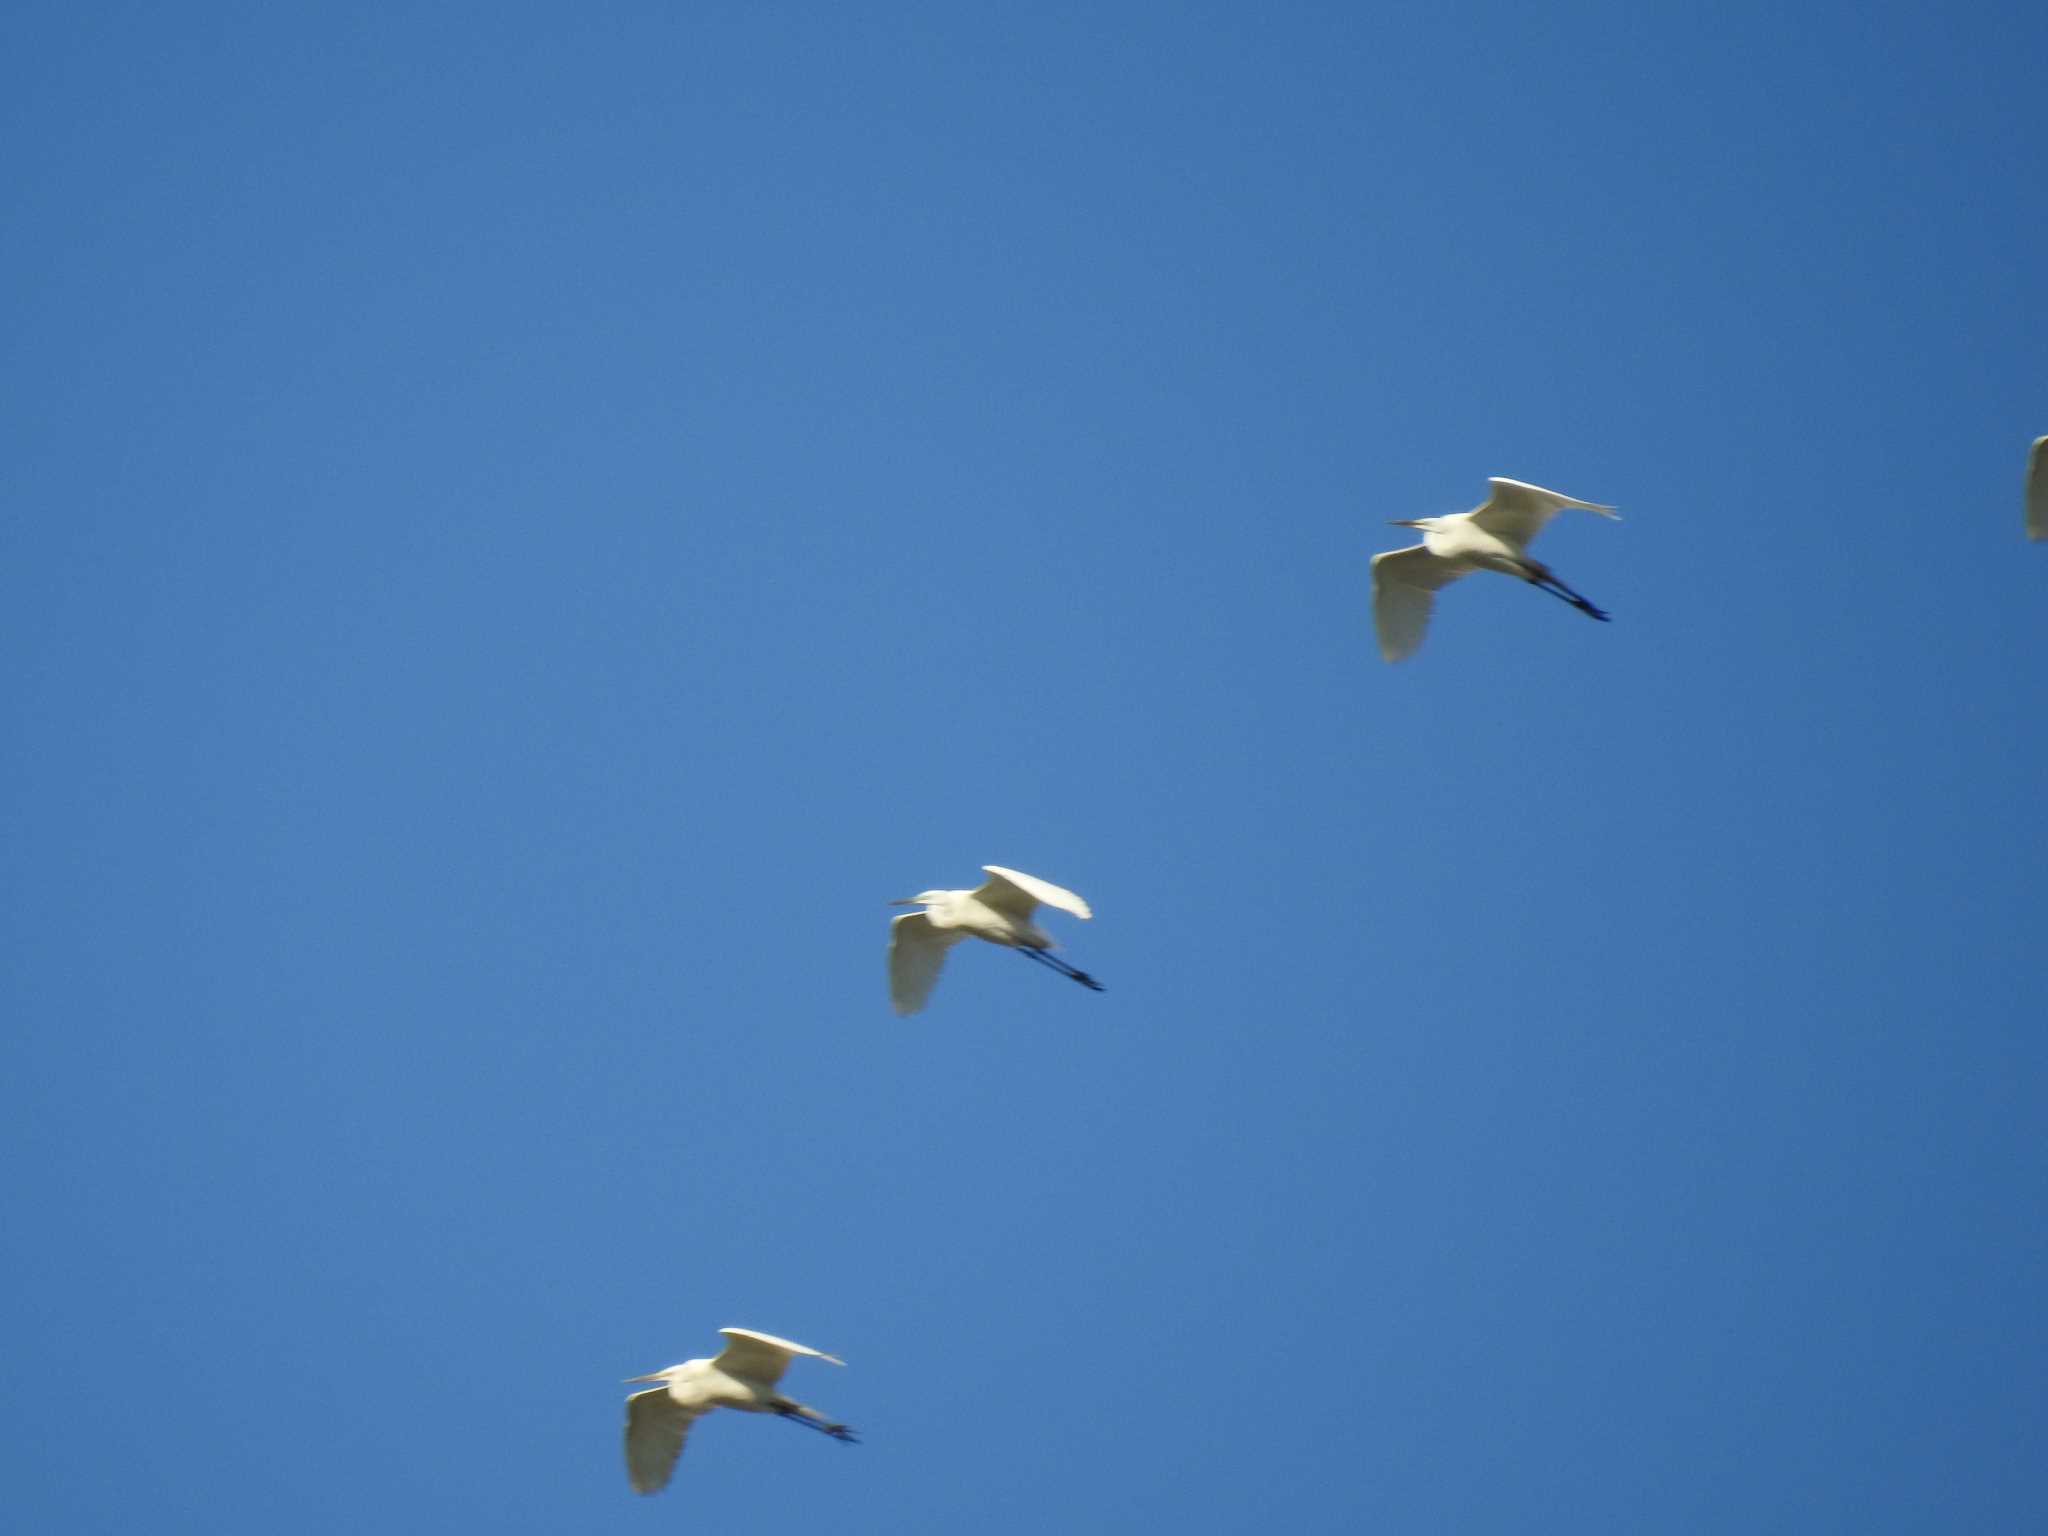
(525, 527)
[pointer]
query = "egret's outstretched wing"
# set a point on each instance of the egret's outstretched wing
(916, 951)
(1518, 511)
(1015, 895)
(1404, 583)
(2037, 490)
(762, 1357)
(655, 1426)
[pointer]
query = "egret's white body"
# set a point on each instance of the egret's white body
(998, 910)
(2037, 490)
(1493, 536)
(742, 1375)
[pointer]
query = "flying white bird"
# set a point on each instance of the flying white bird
(742, 1375)
(999, 910)
(1491, 537)
(2037, 490)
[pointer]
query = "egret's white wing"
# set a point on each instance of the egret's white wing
(762, 1357)
(655, 1426)
(1518, 511)
(916, 951)
(1404, 583)
(2037, 490)
(1015, 895)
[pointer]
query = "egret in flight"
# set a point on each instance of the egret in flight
(1491, 537)
(999, 910)
(742, 1375)
(2037, 490)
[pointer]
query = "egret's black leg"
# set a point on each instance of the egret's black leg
(1565, 594)
(810, 1418)
(1082, 977)
(1053, 962)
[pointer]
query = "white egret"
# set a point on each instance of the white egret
(1491, 537)
(742, 1375)
(2037, 490)
(999, 910)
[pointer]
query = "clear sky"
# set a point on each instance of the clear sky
(525, 526)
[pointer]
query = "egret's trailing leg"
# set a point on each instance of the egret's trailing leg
(810, 1418)
(1057, 964)
(1565, 594)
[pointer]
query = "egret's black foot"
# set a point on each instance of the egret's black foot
(1088, 981)
(841, 1432)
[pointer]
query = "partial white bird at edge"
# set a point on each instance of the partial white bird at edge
(2037, 490)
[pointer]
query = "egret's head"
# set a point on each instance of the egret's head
(922, 899)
